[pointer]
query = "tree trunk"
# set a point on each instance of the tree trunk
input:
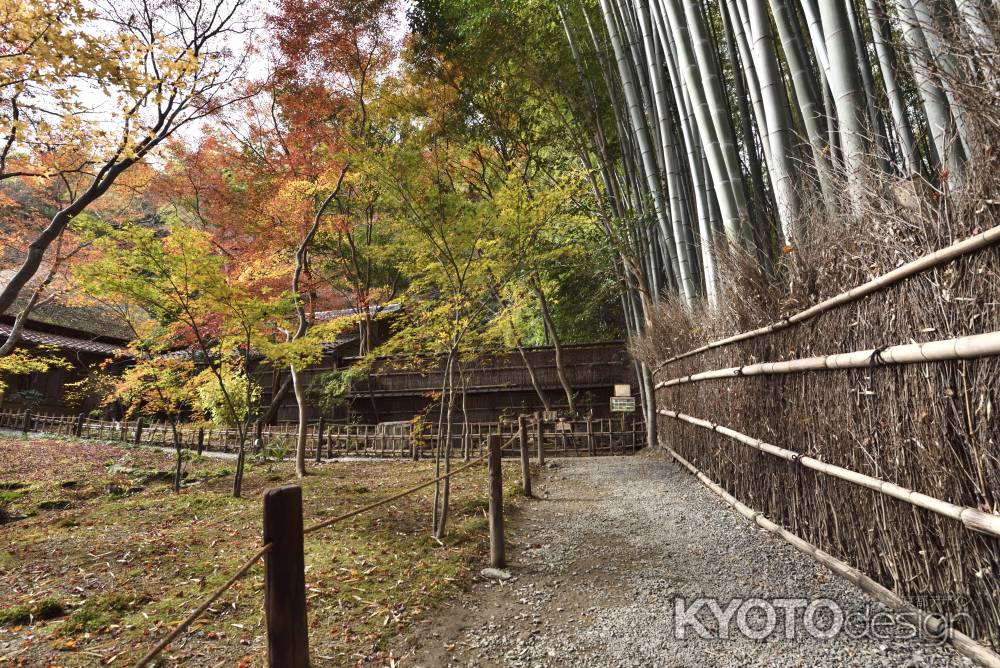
(551, 329)
(180, 460)
(300, 441)
(240, 463)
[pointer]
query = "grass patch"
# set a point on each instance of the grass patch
(53, 504)
(100, 613)
(19, 615)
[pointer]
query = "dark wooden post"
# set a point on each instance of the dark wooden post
(319, 439)
(285, 580)
(26, 425)
(632, 428)
(539, 437)
(498, 557)
(78, 427)
(522, 436)
(590, 435)
(201, 440)
(622, 441)
(138, 431)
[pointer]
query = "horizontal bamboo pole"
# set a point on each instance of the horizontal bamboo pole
(961, 348)
(972, 518)
(962, 643)
(936, 259)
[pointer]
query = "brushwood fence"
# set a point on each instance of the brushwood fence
(559, 437)
(868, 435)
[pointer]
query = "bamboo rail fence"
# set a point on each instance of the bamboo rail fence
(971, 517)
(964, 644)
(939, 257)
(943, 410)
(560, 438)
(961, 348)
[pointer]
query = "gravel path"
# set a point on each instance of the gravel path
(599, 561)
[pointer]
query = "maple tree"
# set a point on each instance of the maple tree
(191, 307)
(158, 385)
(172, 66)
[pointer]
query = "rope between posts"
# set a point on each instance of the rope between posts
(180, 628)
(359, 511)
(249, 563)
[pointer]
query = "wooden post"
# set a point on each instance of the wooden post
(201, 440)
(539, 436)
(285, 580)
(632, 428)
(321, 430)
(78, 427)
(138, 431)
(498, 558)
(590, 435)
(522, 436)
(26, 424)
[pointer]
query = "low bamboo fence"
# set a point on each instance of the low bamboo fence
(560, 438)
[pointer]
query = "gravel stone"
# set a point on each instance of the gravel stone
(598, 563)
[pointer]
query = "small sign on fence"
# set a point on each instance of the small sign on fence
(623, 390)
(622, 404)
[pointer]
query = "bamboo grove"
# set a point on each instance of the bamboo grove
(724, 128)
(729, 115)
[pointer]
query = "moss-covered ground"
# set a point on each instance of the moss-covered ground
(99, 558)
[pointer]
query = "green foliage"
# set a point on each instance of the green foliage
(327, 389)
(211, 396)
(96, 384)
(22, 362)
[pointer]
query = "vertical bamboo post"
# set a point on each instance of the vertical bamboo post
(522, 436)
(284, 579)
(26, 425)
(540, 438)
(498, 558)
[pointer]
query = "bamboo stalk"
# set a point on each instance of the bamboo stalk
(961, 348)
(962, 643)
(936, 259)
(972, 518)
